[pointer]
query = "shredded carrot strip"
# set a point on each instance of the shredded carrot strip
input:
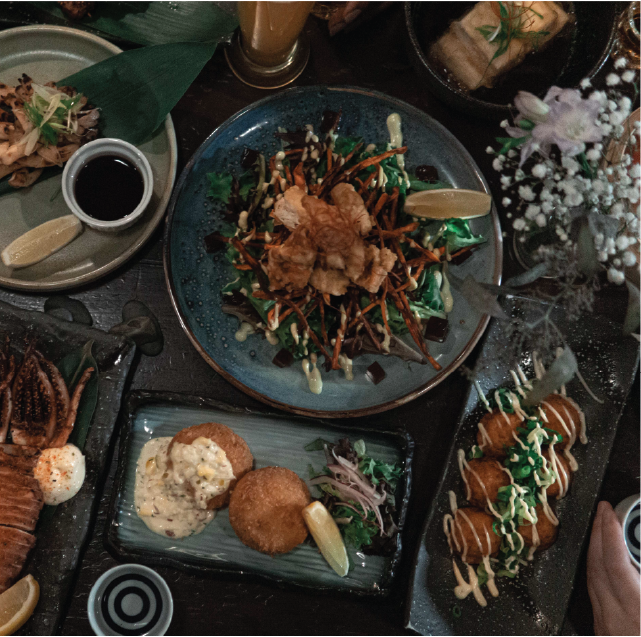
(329, 159)
(242, 266)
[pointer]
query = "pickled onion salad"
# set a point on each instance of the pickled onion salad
(328, 266)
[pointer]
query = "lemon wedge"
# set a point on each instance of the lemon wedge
(17, 604)
(448, 203)
(327, 536)
(42, 241)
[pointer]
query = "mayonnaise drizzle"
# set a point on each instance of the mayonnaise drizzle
(313, 374)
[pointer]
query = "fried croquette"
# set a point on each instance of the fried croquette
(232, 444)
(564, 417)
(495, 433)
(473, 536)
(560, 487)
(545, 530)
(484, 477)
(265, 510)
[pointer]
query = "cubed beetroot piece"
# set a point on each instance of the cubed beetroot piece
(426, 173)
(214, 242)
(284, 358)
(375, 373)
(436, 329)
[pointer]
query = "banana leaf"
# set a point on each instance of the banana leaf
(71, 367)
(150, 23)
(135, 90)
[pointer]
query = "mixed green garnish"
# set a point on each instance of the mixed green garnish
(363, 315)
(515, 18)
(359, 492)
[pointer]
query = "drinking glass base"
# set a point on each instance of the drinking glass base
(267, 77)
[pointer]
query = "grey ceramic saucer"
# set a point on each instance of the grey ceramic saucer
(50, 53)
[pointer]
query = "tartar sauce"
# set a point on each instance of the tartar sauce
(173, 503)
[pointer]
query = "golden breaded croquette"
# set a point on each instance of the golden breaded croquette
(545, 530)
(265, 510)
(564, 417)
(236, 449)
(495, 433)
(473, 527)
(484, 477)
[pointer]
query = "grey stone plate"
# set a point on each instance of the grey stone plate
(61, 537)
(51, 53)
(274, 440)
(536, 602)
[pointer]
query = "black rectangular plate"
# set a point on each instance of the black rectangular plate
(274, 439)
(536, 602)
(61, 538)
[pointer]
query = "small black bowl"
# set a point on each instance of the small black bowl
(564, 63)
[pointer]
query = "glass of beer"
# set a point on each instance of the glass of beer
(269, 50)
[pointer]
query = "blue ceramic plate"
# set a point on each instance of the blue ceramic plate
(274, 440)
(195, 278)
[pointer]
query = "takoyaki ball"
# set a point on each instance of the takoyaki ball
(563, 417)
(484, 479)
(560, 487)
(547, 531)
(499, 428)
(472, 522)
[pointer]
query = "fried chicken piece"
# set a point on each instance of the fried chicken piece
(290, 265)
(352, 207)
(330, 281)
(232, 444)
(289, 209)
(378, 264)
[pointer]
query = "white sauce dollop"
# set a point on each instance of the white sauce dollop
(60, 472)
(173, 503)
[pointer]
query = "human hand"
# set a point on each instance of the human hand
(613, 581)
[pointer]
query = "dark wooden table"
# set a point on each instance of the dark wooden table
(372, 57)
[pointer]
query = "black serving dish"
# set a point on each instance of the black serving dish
(564, 63)
(62, 533)
(536, 601)
(274, 440)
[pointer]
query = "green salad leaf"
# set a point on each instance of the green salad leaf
(219, 186)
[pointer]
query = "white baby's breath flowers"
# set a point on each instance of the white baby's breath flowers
(612, 79)
(620, 63)
(539, 171)
(628, 76)
(506, 201)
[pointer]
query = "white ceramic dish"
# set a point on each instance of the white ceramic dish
(48, 52)
(100, 148)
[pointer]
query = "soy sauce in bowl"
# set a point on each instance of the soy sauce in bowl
(109, 188)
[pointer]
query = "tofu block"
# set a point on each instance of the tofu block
(465, 52)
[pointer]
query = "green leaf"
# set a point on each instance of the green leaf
(586, 251)
(150, 23)
(71, 367)
(345, 145)
(359, 448)
(219, 186)
(561, 371)
(246, 181)
(317, 445)
(510, 142)
(135, 90)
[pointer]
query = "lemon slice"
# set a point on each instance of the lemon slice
(42, 241)
(448, 203)
(327, 536)
(17, 604)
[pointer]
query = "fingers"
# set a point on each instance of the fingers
(623, 577)
(595, 570)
